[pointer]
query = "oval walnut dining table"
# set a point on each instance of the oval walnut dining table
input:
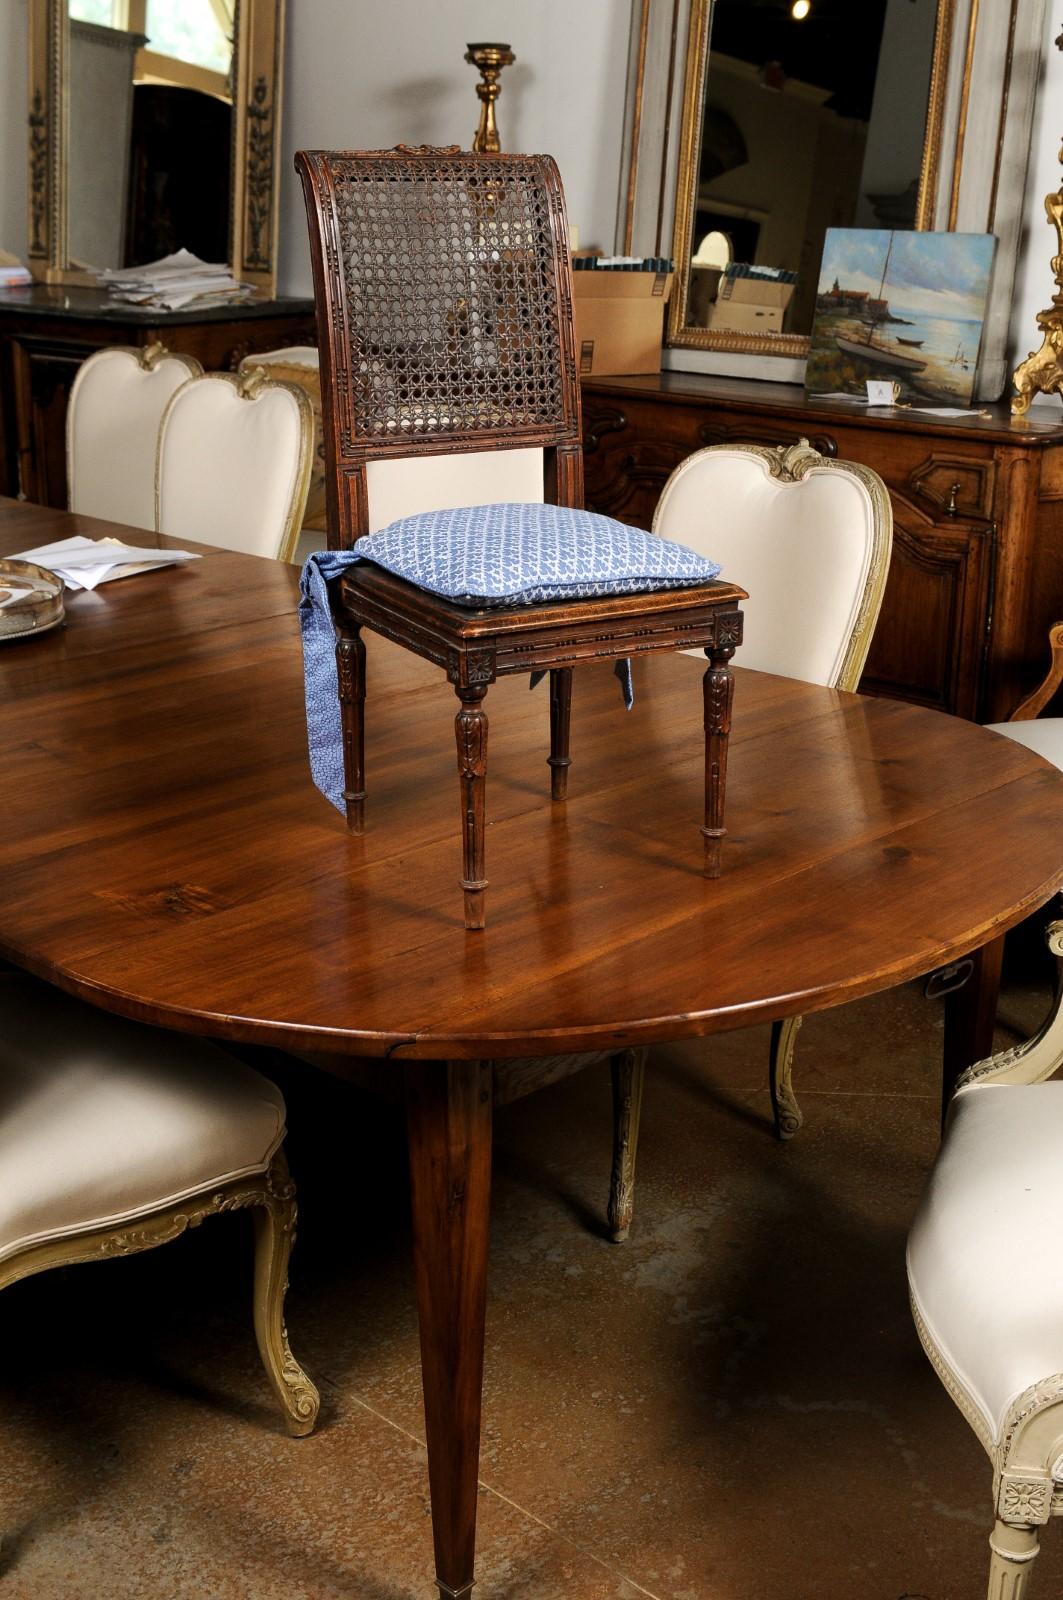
(164, 855)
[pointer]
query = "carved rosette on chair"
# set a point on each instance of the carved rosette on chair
(1042, 371)
(444, 294)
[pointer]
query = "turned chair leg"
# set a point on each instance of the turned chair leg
(470, 727)
(560, 718)
(350, 674)
(629, 1075)
(1013, 1548)
(718, 688)
(784, 1106)
(274, 1237)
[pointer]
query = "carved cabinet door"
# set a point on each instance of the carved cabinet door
(933, 632)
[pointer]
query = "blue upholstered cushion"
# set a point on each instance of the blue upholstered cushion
(524, 554)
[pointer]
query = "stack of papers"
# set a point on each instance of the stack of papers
(174, 282)
(85, 563)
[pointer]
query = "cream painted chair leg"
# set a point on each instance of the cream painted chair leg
(1013, 1549)
(629, 1075)
(784, 1106)
(274, 1237)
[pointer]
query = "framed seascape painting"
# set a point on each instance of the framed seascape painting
(902, 307)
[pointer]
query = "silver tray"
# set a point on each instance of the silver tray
(31, 600)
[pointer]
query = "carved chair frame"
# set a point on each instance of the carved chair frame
(786, 464)
(258, 78)
(1028, 1457)
(378, 403)
(271, 1196)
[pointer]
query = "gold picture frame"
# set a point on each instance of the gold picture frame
(794, 345)
(258, 60)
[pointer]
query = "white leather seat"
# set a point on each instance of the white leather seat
(115, 1137)
(102, 1120)
(985, 1271)
(112, 430)
(235, 456)
(1043, 734)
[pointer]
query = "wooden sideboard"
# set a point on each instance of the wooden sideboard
(976, 576)
(46, 331)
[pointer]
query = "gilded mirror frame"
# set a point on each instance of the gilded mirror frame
(795, 345)
(258, 61)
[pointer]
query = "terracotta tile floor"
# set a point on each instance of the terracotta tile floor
(733, 1406)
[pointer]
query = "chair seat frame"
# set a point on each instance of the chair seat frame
(271, 1197)
(474, 647)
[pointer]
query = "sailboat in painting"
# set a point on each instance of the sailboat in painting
(869, 349)
(926, 335)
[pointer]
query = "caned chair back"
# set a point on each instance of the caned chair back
(809, 538)
(234, 462)
(444, 295)
(112, 430)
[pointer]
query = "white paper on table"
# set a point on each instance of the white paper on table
(85, 563)
(948, 411)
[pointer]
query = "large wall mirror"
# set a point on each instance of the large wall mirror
(154, 126)
(768, 121)
(798, 116)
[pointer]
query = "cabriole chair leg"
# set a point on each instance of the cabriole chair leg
(274, 1237)
(629, 1074)
(784, 1106)
(1013, 1548)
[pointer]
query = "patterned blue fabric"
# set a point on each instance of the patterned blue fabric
(524, 554)
(505, 555)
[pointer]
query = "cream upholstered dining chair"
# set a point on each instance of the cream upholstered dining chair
(1026, 725)
(234, 462)
(299, 364)
(985, 1271)
(807, 536)
(112, 430)
(116, 1137)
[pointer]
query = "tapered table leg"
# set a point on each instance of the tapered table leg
(470, 727)
(350, 675)
(718, 686)
(970, 1015)
(448, 1112)
(560, 718)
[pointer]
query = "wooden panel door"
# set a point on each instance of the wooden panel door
(933, 631)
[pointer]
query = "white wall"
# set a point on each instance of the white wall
(1034, 284)
(13, 132)
(368, 74)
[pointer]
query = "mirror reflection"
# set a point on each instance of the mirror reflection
(150, 87)
(814, 117)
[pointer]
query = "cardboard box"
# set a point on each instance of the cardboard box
(750, 305)
(619, 321)
(728, 317)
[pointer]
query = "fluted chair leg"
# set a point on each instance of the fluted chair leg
(1012, 1552)
(784, 1107)
(629, 1074)
(274, 1237)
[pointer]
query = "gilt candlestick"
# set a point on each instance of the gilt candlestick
(490, 59)
(1042, 371)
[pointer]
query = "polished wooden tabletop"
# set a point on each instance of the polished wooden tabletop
(164, 852)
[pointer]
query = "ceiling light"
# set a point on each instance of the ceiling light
(800, 9)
